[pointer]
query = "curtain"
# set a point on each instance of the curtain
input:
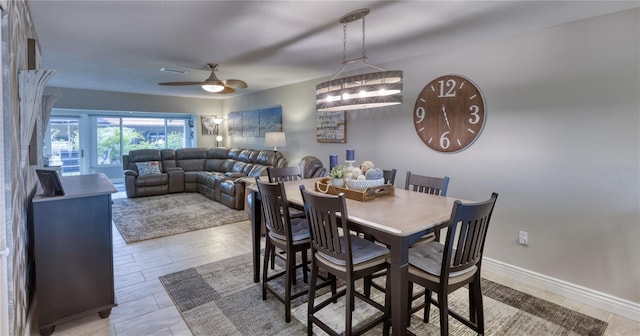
(31, 85)
(47, 105)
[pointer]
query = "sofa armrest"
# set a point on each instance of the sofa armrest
(175, 170)
(130, 172)
(176, 179)
(234, 175)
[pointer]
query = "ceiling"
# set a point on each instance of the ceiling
(121, 45)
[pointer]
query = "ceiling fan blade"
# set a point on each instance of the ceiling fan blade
(180, 83)
(227, 90)
(235, 83)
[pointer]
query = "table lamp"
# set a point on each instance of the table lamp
(274, 139)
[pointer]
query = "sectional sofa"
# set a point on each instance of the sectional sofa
(213, 172)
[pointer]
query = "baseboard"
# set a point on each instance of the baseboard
(612, 304)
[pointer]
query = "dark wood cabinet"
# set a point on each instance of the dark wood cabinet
(73, 251)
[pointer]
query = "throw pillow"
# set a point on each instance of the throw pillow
(147, 168)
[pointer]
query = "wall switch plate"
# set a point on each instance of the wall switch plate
(523, 238)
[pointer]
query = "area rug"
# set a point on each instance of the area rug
(158, 216)
(221, 299)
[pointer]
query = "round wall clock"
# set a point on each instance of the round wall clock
(449, 114)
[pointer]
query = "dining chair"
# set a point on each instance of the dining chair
(284, 174)
(290, 235)
(346, 256)
(444, 268)
(418, 183)
(427, 184)
(389, 176)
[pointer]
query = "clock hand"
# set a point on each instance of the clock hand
(445, 117)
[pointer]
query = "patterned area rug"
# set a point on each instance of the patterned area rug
(221, 299)
(158, 216)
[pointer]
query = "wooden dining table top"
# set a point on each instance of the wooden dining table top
(404, 213)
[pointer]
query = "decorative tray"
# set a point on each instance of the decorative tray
(323, 185)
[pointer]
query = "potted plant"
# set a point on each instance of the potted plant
(337, 175)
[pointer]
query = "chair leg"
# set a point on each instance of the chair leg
(478, 304)
(312, 297)
(427, 306)
(290, 274)
(305, 266)
(291, 267)
(334, 286)
(409, 302)
(444, 313)
(367, 285)
(273, 258)
(349, 306)
(387, 307)
(265, 266)
(472, 304)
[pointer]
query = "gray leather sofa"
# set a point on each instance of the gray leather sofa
(213, 172)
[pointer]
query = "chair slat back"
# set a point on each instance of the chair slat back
(323, 214)
(275, 208)
(427, 184)
(284, 174)
(389, 176)
(466, 234)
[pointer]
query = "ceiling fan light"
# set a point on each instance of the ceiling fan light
(213, 88)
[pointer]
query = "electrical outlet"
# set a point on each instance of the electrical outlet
(523, 238)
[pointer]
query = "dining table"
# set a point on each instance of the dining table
(396, 220)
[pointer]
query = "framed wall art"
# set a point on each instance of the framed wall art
(255, 123)
(331, 127)
(208, 125)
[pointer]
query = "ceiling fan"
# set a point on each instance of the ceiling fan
(213, 84)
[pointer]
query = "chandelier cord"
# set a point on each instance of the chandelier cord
(344, 43)
(364, 50)
(362, 58)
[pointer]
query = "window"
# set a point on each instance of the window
(117, 136)
(93, 141)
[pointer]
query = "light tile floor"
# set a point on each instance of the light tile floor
(144, 308)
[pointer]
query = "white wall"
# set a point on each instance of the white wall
(561, 145)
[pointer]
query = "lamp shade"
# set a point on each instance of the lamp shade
(274, 139)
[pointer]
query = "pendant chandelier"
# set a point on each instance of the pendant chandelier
(368, 90)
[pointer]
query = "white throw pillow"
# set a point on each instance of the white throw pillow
(149, 167)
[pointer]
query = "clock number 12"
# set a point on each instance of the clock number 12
(450, 86)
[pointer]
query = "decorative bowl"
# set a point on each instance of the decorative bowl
(361, 185)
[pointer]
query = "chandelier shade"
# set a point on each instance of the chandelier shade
(368, 90)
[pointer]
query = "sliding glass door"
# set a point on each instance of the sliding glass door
(62, 145)
(92, 141)
(116, 136)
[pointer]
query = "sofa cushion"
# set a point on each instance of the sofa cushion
(152, 180)
(216, 165)
(168, 159)
(206, 178)
(191, 159)
(191, 176)
(148, 168)
(141, 155)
